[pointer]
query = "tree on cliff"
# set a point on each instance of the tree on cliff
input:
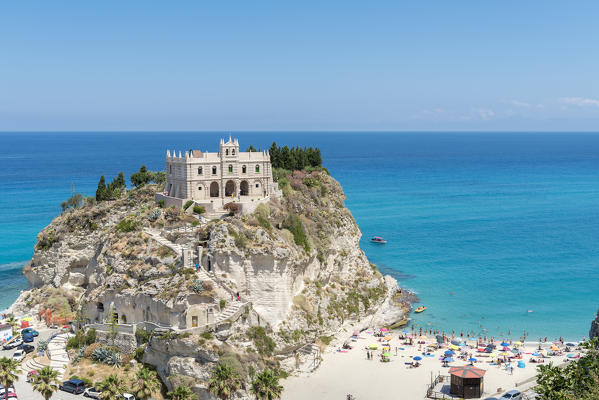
(143, 176)
(181, 393)
(578, 380)
(146, 383)
(101, 190)
(224, 381)
(46, 382)
(9, 370)
(111, 191)
(266, 385)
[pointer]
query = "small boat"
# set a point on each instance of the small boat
(420, 309)
(378, 239)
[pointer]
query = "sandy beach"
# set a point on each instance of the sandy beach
(351, 372)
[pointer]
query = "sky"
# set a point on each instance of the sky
(303, 65)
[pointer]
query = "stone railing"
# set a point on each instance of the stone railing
(120, 328)
(212, 325)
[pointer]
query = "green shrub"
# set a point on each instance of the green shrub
(222, 304)
(188, 203)
(199, 210)
(143, 336)
(264, 344)
(139, 354)
(296, 227)
(161, 203)
(90, 336)
(326, 339)
(264, 222)
(128, 224)
(206, 335)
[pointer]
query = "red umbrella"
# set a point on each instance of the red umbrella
(467, 371)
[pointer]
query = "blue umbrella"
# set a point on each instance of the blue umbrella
(571, 355)
(417, 358)
(449, 353)
(505, 344)
(448, 359)
(472, 359)
(570, 344)
(536, 354)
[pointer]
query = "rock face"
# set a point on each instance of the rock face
(594, 332)
(295, 260)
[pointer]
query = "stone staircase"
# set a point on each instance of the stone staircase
(229, 312)
(178, 249)
(57, 353)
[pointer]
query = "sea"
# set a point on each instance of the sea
(496, 233)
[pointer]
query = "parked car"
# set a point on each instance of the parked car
(512, 395)
(75, 386)
(11, 393)
(27, 348)
(13, 344)
(53, 326)
(28, 338)
(30, 331)
(92, 393)
(19, 355)
(128, 396)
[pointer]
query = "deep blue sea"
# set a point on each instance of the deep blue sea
(482, 226)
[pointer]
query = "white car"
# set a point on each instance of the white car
(19, 355)
(128, 396)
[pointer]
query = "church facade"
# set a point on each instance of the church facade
(228, 175)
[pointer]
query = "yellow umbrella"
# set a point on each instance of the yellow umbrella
(388, 337)
(453, 347)
(504, 353)
(518, 343)
(373, 346)
(27, 319)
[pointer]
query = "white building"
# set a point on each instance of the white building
(5, 332)
(214, 179)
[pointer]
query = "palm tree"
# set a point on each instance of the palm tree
(224, 381)
(266, 385)
(46, 382)
(13, 323)
(8, 373)
(181, 393)
(146, 383)
(112, 388)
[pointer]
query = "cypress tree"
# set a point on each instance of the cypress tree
(101, 191)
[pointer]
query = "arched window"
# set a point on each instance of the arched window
(233, 151)
(199, 188)
(227, 152)
(199, 170)
(170, 169)
(257, 185)
(213, 170)
(230, 169)
(257, 168)
(243, 169)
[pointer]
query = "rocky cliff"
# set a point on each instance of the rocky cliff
(594, 331)
(295, 260)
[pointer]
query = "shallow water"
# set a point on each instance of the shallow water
(483, 227)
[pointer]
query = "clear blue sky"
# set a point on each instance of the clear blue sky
(281, 65)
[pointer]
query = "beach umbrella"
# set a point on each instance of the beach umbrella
(439, 339)
(504, 353)
(515, 351)
(388, 338)
(491, 345)
(453, 347)
(536, 354)
(387, 354)
(383, 329)
(518, 343)
(571, 355)
(488, 350)
(417, 358)
(567, 344)
(505, 344)
(455, 341)
(373, 346)
(449, 353)
(448, 359)
(472, 359)
(404, 331)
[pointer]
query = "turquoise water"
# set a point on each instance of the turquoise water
(483, 227)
